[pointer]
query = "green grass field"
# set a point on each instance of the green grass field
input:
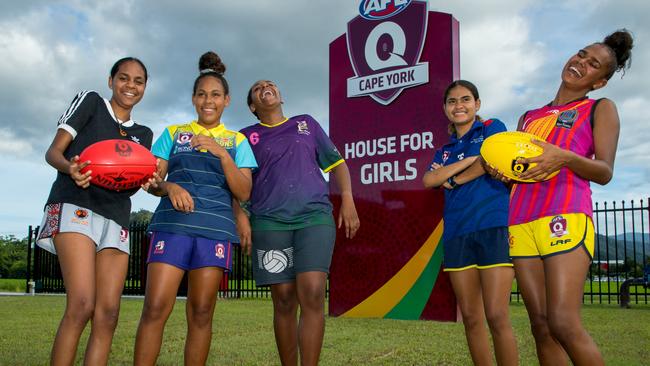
(243, 335)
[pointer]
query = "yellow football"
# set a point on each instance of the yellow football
(502, 150)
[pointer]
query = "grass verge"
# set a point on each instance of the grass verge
(243, 335)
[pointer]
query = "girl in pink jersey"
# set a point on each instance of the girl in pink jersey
(551, 231)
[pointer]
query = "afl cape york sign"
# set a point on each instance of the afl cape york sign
(388, 73)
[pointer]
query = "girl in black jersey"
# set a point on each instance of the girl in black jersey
(86, 225)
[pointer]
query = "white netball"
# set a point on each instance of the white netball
(275, 261)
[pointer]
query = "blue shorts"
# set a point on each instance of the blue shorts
(481, 249)
(188, 253)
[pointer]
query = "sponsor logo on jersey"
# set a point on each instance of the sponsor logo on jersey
(124, 235)
(183, 142)
(381, 9)
(219, 251)
(225, 142)
(461, 156)
(184, 138)
(558, 226)
(159, 248)
(81, 213)
(303, 129)
(385, 49)
(477, 140)
(566, 119)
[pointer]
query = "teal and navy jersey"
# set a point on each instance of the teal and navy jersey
(289, 191)
(201, 174)
(478, 204)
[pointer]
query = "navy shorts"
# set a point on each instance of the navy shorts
(188, 252)
(279, 254)
(481, 249)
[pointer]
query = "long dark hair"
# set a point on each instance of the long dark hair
(210, 64)
(467, 85)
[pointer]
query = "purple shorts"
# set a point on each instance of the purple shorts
(188, 252)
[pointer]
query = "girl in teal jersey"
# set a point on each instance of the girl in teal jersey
(207, 169)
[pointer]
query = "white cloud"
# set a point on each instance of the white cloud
(13, 146)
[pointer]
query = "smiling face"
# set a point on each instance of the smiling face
(588, 68)
(461, 107)
(210, 100)
(128, 85)
(264, 94)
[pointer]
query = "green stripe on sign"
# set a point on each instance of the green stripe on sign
(413, 303)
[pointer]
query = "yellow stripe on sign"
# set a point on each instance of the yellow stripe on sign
(391, 293)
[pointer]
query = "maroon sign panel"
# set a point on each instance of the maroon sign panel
(387, 78)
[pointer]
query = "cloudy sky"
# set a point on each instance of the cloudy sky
(512, 49)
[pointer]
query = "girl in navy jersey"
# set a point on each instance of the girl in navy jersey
(551, 230)
(207, 166)
(476, 227)
(293, 229)
(86, 225)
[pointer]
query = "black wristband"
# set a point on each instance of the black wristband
(452, 182)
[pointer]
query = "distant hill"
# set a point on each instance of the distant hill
(623, 245)
(638, 237)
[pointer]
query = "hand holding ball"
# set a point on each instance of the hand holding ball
(503, 150)
(118, 164)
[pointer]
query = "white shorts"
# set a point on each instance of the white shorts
(70, 218)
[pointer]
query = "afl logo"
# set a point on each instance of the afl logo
(381, 9)
(122, 148)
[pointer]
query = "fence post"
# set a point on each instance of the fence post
(28, 277)
(240, 272)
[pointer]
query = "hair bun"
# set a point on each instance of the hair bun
(211, 62)
(621, 42)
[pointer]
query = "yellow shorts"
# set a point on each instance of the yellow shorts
(552, 235)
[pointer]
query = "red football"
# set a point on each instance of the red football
(118, 164)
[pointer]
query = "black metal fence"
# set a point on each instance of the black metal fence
(622, 253)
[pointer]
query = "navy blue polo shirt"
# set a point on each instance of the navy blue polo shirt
(481, 203)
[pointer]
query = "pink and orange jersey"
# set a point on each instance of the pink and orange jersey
(568, 126)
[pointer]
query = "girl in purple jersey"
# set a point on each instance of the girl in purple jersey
(87, 226)
(291, 216)
(552, 285)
